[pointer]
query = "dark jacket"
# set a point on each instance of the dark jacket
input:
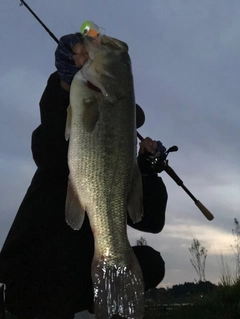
(44, 263)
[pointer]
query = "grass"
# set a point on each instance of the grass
(222, 303)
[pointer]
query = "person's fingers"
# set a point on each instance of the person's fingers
(80, 54)
(147, 145)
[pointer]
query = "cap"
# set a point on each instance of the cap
(140, 116)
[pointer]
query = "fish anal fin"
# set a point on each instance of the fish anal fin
(90, 114)
(74, 211)
(135, 196)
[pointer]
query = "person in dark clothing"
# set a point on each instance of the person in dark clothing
(46, 265)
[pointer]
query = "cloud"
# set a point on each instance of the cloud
(17, 175)
(20, 95)
(216, 240)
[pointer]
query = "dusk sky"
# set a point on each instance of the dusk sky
(185, 60)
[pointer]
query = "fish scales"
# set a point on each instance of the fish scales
(102, 164)
(103, 175)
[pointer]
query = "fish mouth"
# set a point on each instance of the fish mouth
(110, 97)
(93, 87)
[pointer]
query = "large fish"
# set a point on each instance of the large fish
(104, 177)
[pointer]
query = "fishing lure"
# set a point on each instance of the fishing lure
(90, 29)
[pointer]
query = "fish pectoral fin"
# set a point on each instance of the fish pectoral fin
(74, 211)
(135, 196)
(68, 123)
(90, 114)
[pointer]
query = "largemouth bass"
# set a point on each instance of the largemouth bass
(104, 178)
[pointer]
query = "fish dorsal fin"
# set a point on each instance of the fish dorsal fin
(135, 196)
(68, 123)
(74, 211)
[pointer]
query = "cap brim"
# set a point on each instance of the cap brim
(140, 116)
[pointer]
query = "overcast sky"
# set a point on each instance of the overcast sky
(185, 57)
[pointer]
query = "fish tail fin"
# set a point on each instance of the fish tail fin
(118, 289)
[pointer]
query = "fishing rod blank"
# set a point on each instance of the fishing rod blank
(45, 27)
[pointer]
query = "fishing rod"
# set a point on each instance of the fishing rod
(163, 163)
(40, 21)
(88, 28)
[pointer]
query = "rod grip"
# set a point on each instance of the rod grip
(204, 210)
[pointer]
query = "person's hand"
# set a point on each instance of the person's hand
(80, 54)
(70, 56)
(151, 156)
(147, 145)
